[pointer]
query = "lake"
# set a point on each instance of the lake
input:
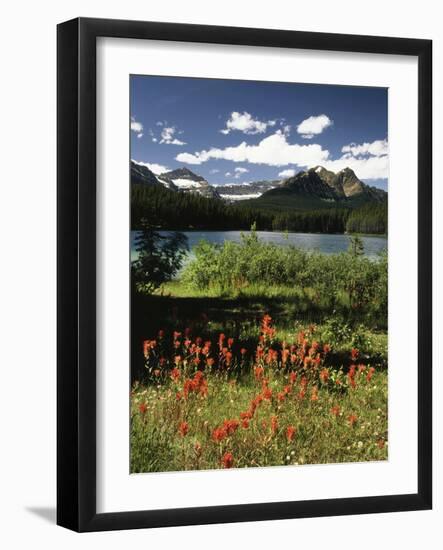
(322, 242)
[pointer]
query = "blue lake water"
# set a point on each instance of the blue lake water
(329, 244)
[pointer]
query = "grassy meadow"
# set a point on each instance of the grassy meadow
(254, 354)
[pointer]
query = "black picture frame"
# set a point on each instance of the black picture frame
(76, 295)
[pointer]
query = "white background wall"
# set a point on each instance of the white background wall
(27, 275)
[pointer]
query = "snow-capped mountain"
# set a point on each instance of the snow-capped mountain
(185, 180)
(234, 192)
(181, 179)
(310, 187)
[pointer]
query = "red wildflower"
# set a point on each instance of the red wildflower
(281, 396)
(314, 394)
(352, 419)
(354, 354)
(176, 335)
(231, 426)
(219, 434)
(267, 393)
(324, 375)
(230, 342)
(246, 415)
(227, 460)
(258, 372)
(370, 374)
(256, 402)
(284, 356)
(243, 351)
(274, 424)
(293, 377)
(351, 376)
(228, 358)
(245, 423)
(146, 345)
(314, 347)
(183, 428)
(380, 443)
(335, 410)
(259, 353)
(187, 387)
(326, 348)
(210, 361)
(142, 408)
(290, 432)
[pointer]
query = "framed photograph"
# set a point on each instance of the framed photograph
(244, 274)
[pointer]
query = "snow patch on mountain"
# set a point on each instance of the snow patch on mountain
(240, 197)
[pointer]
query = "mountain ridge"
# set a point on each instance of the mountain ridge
(319, 187)
(316, 187)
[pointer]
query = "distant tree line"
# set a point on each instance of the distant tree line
(369, 218)
(185, 211)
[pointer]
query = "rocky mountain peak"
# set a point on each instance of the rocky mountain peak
(184, 173)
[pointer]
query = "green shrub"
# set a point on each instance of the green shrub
(347, 280)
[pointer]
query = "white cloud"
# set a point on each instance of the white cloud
(155, 168)
(167, 136)
(136, 127)
(140, 135)
(313, 126)
(244, 122)
(273, 150)
(228, 174)
(288, 173)
(377, 148)
(152, 135)
(239, 171)
(368, 160)
(365, 168)
(214, 171)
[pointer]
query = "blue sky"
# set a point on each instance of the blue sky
(233, 131)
